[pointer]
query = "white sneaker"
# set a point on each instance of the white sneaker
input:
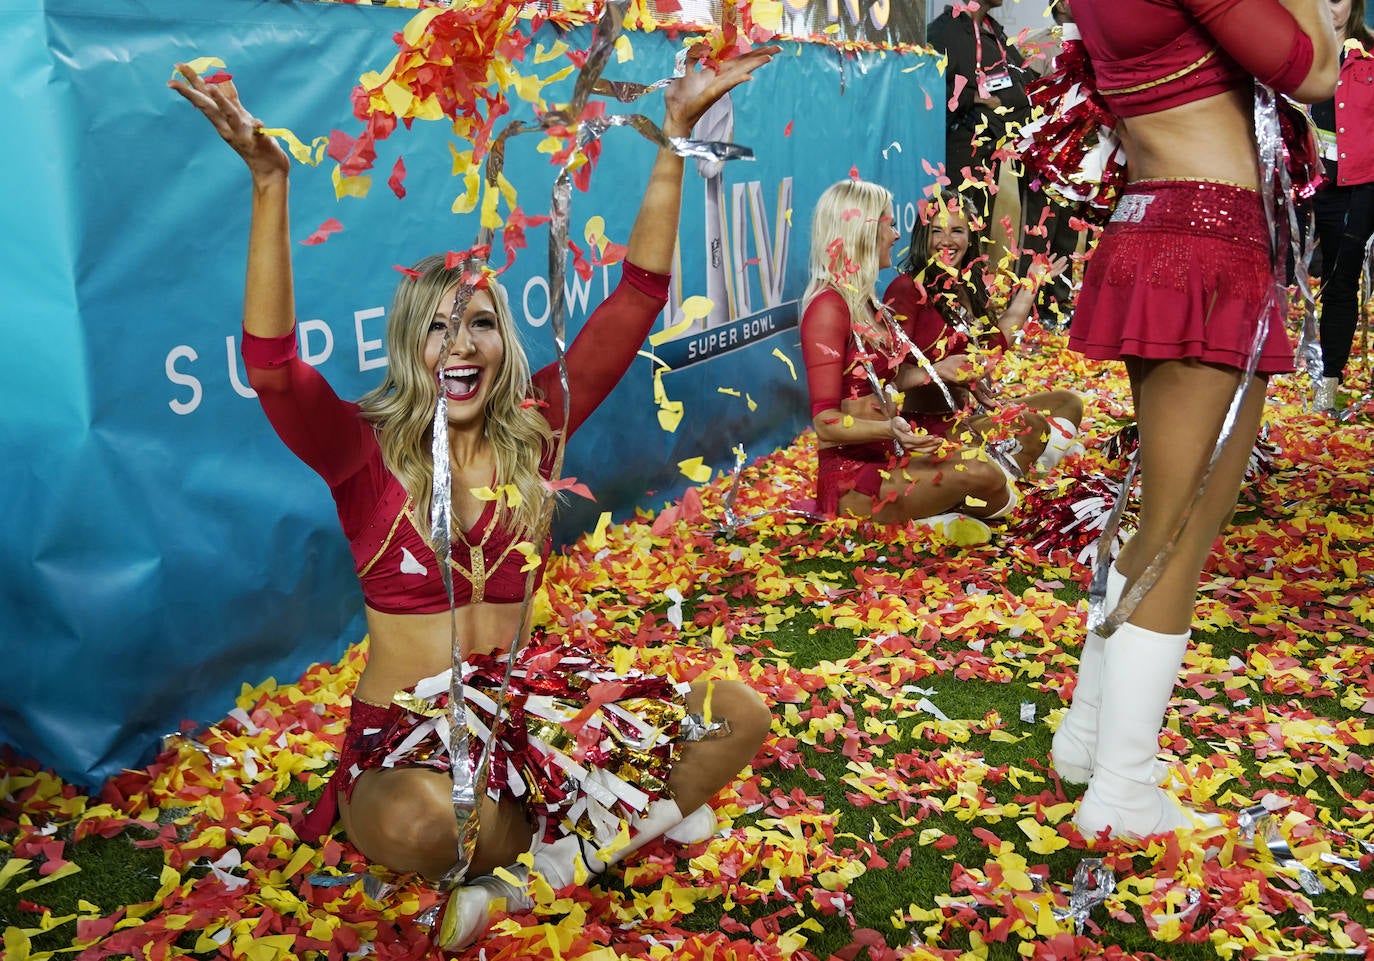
(958, 529)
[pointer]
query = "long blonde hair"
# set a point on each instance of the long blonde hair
(844, 247)
(401, 408)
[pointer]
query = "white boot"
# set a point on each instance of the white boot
(1063, 441)
(1140, 668)
(1075, 740)
(1013, 496)
(467, 914)
(694, 828)
(569, 860)
(1324, 394)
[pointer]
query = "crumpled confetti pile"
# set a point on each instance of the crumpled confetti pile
(903, 806)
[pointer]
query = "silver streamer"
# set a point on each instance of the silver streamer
(1259, 828)
(694, 727)
(916, 354)
(218, 762)
(884, 314)
(377, 889)
(1092, 885)
(627, 91)
(879, 390)
(1274, 185)
(733, 521)
(466, 777)
(1003, 452)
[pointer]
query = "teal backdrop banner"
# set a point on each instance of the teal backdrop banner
(161, 547)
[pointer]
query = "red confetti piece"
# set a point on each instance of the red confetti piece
(397, 179)
(571, 485)
(323, 232)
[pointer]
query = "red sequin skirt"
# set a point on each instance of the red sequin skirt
(1183, 270)
(578, 741)
(852, 467)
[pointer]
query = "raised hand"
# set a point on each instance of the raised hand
(1043, 271)
(219, 102)
(689, 96)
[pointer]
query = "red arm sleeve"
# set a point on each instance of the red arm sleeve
(825, 330)
(307, 415)
(1261, 36)
(603, 350)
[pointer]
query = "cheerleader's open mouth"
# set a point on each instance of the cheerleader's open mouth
(461, 382)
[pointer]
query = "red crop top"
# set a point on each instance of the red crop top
(834, 366)
(398, 570)
(1149, 55)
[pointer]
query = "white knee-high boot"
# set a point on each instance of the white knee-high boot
(1140, 668)
(467, 915)
(1075, 740)
(1062, 442)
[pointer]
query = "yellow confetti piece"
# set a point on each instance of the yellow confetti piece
(624, 50)
(670, 415)
(307, 154)
(693, 309)
(350, 186)
(553, 53)
(202, 64)
(65, 871)
(271, 947)
(415, 28)
(791, 368)
(17, 945)
(13, 867)
(768, 15)
(596, 540)
(1043, 838)
(532, 557)
(303, 856)
(694, 470)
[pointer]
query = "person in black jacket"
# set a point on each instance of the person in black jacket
(985, 82)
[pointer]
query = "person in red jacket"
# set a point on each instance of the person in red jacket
(941, 301)
(646, 752)
(1345, 203)
(1180, 284)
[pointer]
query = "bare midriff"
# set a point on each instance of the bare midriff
(403, 648)
(1210, 139)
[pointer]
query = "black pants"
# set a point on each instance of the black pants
(965, 149)
(1345, 222)
(1059, 240)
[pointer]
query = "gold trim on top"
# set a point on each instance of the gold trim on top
(1193, 180)
(1117, 91)
(386, 541)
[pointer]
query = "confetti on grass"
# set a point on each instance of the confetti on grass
(902, 798)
